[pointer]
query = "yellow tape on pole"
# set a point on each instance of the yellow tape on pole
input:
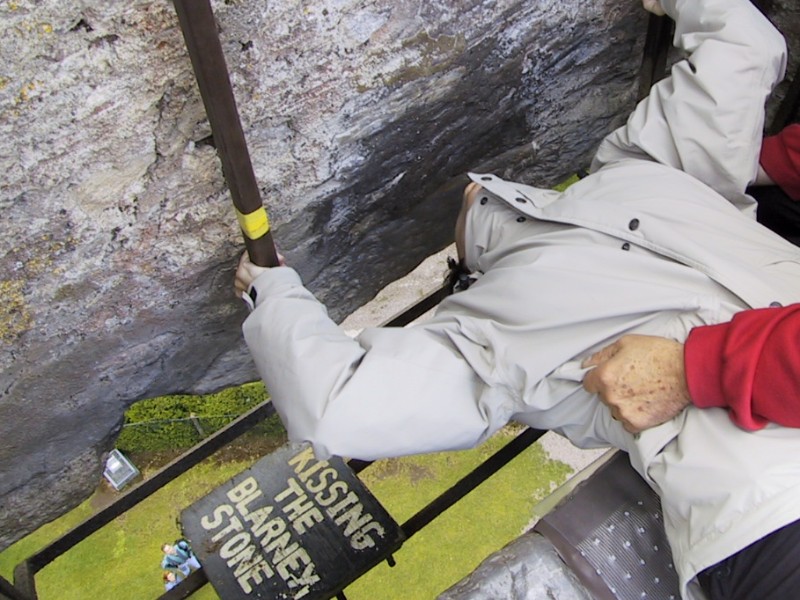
(254, 224)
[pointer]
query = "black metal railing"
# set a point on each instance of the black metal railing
(25, 572)
(24, 587)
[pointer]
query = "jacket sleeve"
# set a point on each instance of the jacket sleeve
(707, 118)
(387, 393)
(749, 365)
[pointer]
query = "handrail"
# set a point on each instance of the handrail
(8, 591)
(25, 571)
(472, 480)
(656, 48)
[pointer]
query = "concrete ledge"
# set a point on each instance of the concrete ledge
(528, 568)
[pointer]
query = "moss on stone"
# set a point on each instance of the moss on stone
(15, 318)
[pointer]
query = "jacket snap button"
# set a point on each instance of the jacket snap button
(626, 246)
(633, 225)
(520, 219)
(775, 304)
(484, 200)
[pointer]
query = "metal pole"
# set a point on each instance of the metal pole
(9, 592)
(24, 582)
(656, 47)
(205, 51)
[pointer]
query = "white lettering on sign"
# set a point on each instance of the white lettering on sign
(246, 530)
(297, 569)
(244, 494)
(300, 510)
(342, 505)
(258, 538)
(240, 554)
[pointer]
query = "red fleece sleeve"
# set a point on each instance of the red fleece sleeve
(750, 365)
(780, 158)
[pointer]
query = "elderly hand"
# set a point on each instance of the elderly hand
(641, 379)
(653, 6)
(247, 272)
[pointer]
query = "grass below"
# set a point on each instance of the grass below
(122, 560)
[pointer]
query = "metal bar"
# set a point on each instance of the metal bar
(25, 580)
(468, 483)
(208, 61)
(169, 472)
(420, 308)
(8, 591)
(656, 48)
(187, 587)
(358, 465)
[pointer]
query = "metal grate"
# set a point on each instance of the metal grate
(610, 532)
(24, 587)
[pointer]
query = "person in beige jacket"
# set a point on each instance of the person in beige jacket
(660, 238)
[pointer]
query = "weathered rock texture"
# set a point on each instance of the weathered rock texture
(528, 568)
(118, 239)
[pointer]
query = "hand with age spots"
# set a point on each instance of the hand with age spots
(641, 379)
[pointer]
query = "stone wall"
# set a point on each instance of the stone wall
(119, 241)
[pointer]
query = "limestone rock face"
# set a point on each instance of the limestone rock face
(119, 241)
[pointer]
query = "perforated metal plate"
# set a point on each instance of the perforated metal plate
(610, 532)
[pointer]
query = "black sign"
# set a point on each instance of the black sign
(291, 526)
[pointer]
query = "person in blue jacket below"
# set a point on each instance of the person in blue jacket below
(171, 579)
(179, 556)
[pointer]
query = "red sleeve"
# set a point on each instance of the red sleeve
(750, 365)
(780, 158)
